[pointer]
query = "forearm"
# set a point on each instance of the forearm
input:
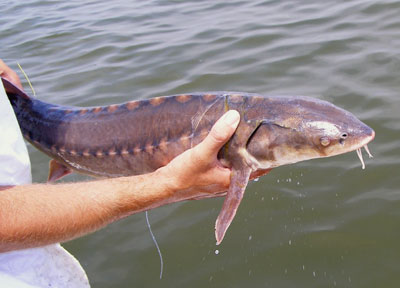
(40, 214)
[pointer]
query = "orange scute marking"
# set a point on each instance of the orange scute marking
(132, 105)
(83, 111)
(97, 109)
(112, 108)
(183, 98)
(235, 98)
(209, 97)
(157, 101)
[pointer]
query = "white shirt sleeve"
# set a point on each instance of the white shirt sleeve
(15, 168)
(48, 266)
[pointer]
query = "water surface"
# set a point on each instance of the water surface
(321, 223)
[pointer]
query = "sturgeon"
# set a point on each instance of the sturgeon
(139, 137)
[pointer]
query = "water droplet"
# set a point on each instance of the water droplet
(256, 179)
(290, 242)
(216, 252)
(250, 237)
(314, 274)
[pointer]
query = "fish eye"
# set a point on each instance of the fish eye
(344, 135)
(325, 141)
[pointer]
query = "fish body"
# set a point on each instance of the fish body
(138, 137)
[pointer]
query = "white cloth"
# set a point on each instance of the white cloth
(48, 266)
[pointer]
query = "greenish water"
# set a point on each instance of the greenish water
(321, 223)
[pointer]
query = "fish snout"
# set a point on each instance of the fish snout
(368, 134)
(372, 134)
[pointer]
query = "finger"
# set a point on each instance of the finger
(220, 133)
(9, 74)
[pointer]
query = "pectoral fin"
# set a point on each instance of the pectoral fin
(57, 171)
(234, 152)
(239, 180)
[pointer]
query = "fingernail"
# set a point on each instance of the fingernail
(232, 117)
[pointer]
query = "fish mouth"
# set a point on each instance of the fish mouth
(364, 145)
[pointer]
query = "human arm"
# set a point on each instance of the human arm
(40, 214)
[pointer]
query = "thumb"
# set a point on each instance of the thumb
(220, 133)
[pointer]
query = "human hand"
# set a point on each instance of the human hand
(9, 74)
(198, 169)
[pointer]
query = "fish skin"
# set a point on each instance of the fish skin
(138, 137)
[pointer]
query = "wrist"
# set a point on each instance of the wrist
(144, 192)
(168, 179)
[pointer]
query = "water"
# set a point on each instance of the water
(321, 223)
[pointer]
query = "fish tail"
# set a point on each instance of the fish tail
(14, 90)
